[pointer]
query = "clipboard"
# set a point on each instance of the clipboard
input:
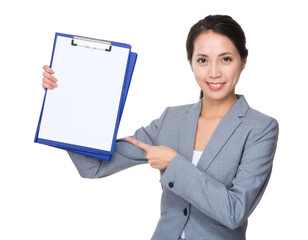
(83, 114)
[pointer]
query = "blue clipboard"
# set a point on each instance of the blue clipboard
(67, 116)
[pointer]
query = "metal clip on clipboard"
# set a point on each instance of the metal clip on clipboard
(91, 43)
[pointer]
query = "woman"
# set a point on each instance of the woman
(215, 156)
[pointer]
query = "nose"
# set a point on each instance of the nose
(214, 71)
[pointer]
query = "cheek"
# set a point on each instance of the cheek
(233, 75)
(200, 80)
(200, 74)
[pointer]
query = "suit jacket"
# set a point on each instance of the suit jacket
(213, 199)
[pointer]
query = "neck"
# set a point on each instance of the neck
(212, 108)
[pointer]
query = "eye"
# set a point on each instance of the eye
(202, 60)
(226, 59)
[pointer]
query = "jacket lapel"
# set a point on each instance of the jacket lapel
(222, 133)
(228, 124)
(188, 131)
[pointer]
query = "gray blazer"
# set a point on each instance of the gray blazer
(213, 199)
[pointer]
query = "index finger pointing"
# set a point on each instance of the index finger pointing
(138, 143)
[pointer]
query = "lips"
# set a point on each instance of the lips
(215, 86)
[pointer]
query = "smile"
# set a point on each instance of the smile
(215, 86)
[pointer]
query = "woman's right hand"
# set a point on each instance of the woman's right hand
(49, 81)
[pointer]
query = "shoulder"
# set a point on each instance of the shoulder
(173, 115)
(181, 109)
(260, 126)
(251, 118)
(177, 113)
(254, 124)
(258, 118)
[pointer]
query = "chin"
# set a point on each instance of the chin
(217, 96)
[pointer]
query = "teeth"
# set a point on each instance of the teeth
(215, 85)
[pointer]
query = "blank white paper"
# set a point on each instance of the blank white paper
(83, 109)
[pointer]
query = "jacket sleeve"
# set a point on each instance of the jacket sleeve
(126, 154)
(228, 206)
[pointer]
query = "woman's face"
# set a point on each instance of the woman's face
(216, 64)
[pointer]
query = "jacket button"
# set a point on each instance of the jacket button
(185, 212)
(171, 184)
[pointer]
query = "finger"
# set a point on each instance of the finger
(50, 83)
(147, 155)
(138, 143)
(153, 164)
(150, 162)
(49, 76)
(47, 86)
(48, 69)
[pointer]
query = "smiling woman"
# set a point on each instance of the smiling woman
(217, 65)
(215, 156)
(227, 28)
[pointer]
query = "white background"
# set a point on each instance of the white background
(42, 195)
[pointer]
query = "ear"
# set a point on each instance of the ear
(190, 63)
(244, 61)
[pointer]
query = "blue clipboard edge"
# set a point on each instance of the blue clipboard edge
(67, 146)
(100, 154)
(128, 75)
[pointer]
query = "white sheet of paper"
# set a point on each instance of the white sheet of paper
(84, 108)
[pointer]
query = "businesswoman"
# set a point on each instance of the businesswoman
(215, 156)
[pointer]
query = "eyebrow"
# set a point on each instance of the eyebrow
(222, 54)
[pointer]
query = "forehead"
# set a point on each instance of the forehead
(211, 43)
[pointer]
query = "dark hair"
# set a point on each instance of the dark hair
(222, 24)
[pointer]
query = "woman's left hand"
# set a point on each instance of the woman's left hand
(159, 157)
